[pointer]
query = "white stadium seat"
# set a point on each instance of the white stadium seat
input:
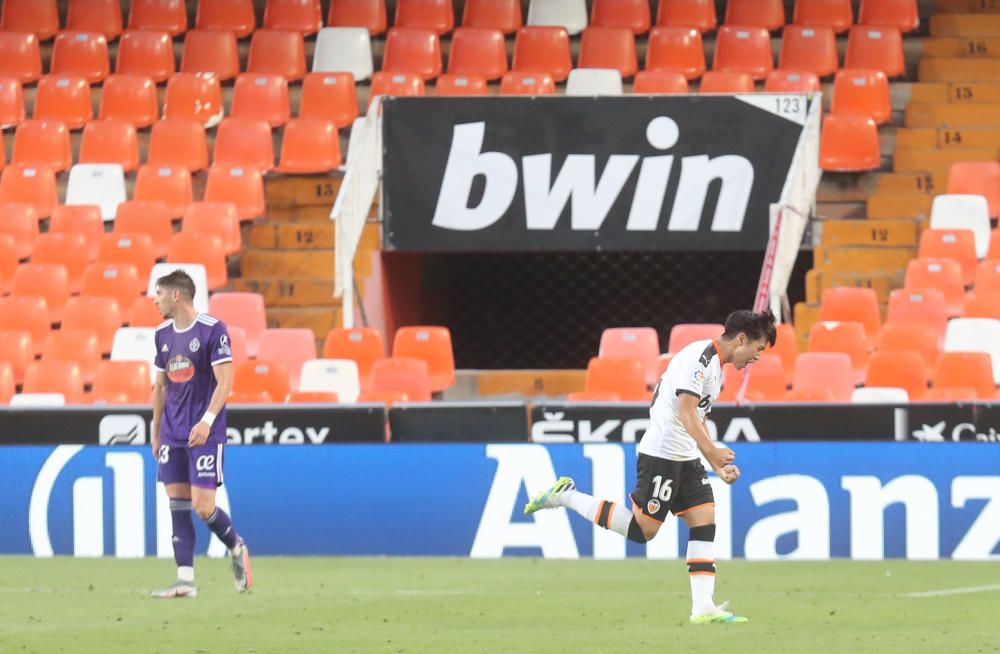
(338, 376)
(964, 212)
(135, 344)
(570, 14)
(344, 49)
(975, 335)
(100, 184)
(37, 399)
(880, 395)
(594, 81)
(197, 273)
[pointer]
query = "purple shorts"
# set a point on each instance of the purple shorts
(198, 466)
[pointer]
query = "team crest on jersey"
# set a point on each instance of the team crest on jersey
(652, 506)
(194, 345)
(180, 369)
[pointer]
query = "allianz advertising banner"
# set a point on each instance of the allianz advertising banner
(794, 500)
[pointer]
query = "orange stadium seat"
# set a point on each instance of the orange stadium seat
(121, 382)
(849, 143)
(55, 377)
(862, 92)
(631, 14)
(683, 334)
(311, 397)
(329, 96)
(244, 142)
(412, 50)
(676, 49)
(369, 14)
(160, 15)
(69, 250)
(303, 16)
(235, 16)
(82, 219)
(951, 394)
(110, 141)
(11, 102)
(63, 98)
(641, 343)
(242, 186)
(906, 370)
(812, 49)
(309, 146)
(450, 84)
(824, 13)
(291, 346)
(42, 143)
(135, 248)
(145, 53)
(363, 345)
(609, 47)
(987, 273)
(168, 184)
(131, 98)
(786, 346)
(902, 14)
(79, 346)
(875, 48)
(219, 218)
(208, 51)
(19, 221)
(593, 396)
(910, 337)
(116, 280)
(791, 81)
(852, 304)
(432, 345)
(261, 97)
(206, 249)
(29, 314)
(921, 306)
(993, 250)
(81, 53)
(825, 371)
(179, 142)
(659, 82)
(244, 310)
(977, 178)
(34, 185)
(100, 313)
(144, 313)
(717, 81)
(7, 389)
(47, 280)
(699, 14)
(8, 262)
(743, 50)
(436, 15)
(982, 304)
(956, 244)
(524, 83)
(399, 84)
(769, 14)
(17, 351)
(39, 17)
(150, 217)
(767, 380)
(250, 397)
(401, 375)
(958, 369)
(543, 49)
(478, 51)
(622, 375)
(20, 56)
(847, 337)
(261, 375)
(944, 275)
(277, 52)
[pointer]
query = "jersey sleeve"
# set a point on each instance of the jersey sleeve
(691, 379)
(160, 360)
(222, 351)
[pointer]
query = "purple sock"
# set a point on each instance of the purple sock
(222, 526)
(183, 522)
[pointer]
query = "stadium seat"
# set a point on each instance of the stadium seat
(99, 184)
(369, 14)
(110, 141)
(786, 346)
(631, 14)
(412, 50)
(524, 83)
(168, 184)
(20, 57)
(981, 304)
(975, 335)
(852, 304)
(625, 376)
(699, 14)
(402, 375)
(880, 395)
(304, 16)
(951, 394)
(11, 103)
(862, 92)
(55, 377)
(901, 14)
(683, 334)
(609, 47)
(146, 54)
(767, 380)
(450, 84)
(42, 143)
(347, 49)
(987, 272)
(847, 337)
(916, 337)
(67, 250)
(64, 98)
(543, 49)
(905, 369)
(436, 15)
(977, 178)
(208, 51)
(7, 389)
(812, 49)
(130, 98)
(956, 244)
(659, 82)
(329, 96)
(121, 382)
(641, 343)
(875, 48)
(235, 16)
(82, 219)
(363, 345)
(34, 185)
(206, 249)
(242, 186)
(83, 54)
(589, 82)
(159, 15)
(250, 397)
(309, 146)
(478, 51)
(134, 248)
(791, 81)
(39, 17)
(17, 351)
(963, 212)
(311, 397)
(118, 280)
(399, 84)
(743, 50)
(676, 49)
(218, 218)
(593, 396)
(432, 345)
(292, 346)
(849, 143)
(74, 346)
(921, 306)
(196, 97)
(197, 273)
(945, 275)
(277, 52)
(179, 142)
(836, 14)
(30, 314)
(245, 310)
(47, 280)
(966, 369)
(825, 371)
(238, 344)
(716, 81)
(769, 14)
(8, 262)
(136, 344)
(146, 217)
(256, 376)
(568, 14)
(19, 221)
(261, 97)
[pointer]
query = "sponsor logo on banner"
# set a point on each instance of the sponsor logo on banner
(268, 434)
(122, 429)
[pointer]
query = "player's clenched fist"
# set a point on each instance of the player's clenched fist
(728, 473)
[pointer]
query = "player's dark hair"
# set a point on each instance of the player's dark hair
(178, 280)
(755, 325)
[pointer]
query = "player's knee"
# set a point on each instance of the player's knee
(649, 529)
(204, 507)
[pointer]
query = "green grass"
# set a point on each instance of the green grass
(513, 605)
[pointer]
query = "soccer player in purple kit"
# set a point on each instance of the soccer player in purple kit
(194, 374)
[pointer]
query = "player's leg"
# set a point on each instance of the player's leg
(172, 470)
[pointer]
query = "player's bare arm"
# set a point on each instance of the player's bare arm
(159, 400)
(224, 384)
(717, 457)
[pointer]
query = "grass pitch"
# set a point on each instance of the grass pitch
(513, 605)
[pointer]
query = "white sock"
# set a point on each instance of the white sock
(185, 573)
(702, 582)
(618, 518)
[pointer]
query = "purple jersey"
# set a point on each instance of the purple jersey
(187, 358)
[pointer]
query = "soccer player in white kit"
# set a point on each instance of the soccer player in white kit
(670, 475)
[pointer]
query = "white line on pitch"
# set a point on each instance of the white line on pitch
(954, 591)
